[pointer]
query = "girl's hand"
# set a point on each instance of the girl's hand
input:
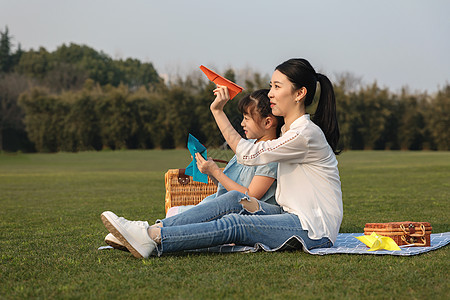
(222, 97)
(206, 166)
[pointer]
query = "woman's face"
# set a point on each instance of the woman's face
(282, 95)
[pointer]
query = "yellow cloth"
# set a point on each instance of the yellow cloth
(378, 242)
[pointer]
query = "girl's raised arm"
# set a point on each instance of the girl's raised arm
(229, 133)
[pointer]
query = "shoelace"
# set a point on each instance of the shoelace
(138, 223)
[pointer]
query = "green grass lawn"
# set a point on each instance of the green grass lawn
(50, 229)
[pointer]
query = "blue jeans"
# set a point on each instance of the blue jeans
(226, 221)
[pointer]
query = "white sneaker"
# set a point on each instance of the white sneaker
(132, 234)
(112, 241)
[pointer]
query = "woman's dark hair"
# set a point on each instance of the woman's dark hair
(301, 74)
(259, 101)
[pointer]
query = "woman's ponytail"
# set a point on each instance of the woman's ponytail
(325, 115)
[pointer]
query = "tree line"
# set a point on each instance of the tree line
(76, 98)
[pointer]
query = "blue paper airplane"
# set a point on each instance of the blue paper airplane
(195, 146)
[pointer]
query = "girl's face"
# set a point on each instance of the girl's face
(282, 95)
(253, 126)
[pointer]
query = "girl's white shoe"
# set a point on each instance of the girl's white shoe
(112, 241)
(132, 234)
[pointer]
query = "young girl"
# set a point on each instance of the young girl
(259, 125)
(308, 184)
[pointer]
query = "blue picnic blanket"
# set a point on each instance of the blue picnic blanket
(346, 243)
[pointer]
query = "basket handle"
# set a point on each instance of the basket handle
(413, 241)
(220, 161)
(184, 179)
(411, 231)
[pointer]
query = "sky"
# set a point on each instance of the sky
(395, 43)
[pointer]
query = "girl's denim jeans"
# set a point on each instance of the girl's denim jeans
(226, 221)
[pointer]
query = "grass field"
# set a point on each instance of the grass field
(50, 230)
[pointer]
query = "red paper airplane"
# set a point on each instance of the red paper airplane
(233, 88)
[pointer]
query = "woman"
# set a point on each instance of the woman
(308, 184)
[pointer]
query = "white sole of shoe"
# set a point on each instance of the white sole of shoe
(116, 245)
(114, 228)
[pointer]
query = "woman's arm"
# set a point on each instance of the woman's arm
(257, 188)
(291, 148)
(229, 133)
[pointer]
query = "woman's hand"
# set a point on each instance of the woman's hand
(222, 97)
(208, 167)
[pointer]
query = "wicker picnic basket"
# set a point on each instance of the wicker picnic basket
(403, 233)
(181, 189)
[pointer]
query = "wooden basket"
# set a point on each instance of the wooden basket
(181, 189)
(403, 233)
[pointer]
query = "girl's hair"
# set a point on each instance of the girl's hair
(301, 74)
(259, 102)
